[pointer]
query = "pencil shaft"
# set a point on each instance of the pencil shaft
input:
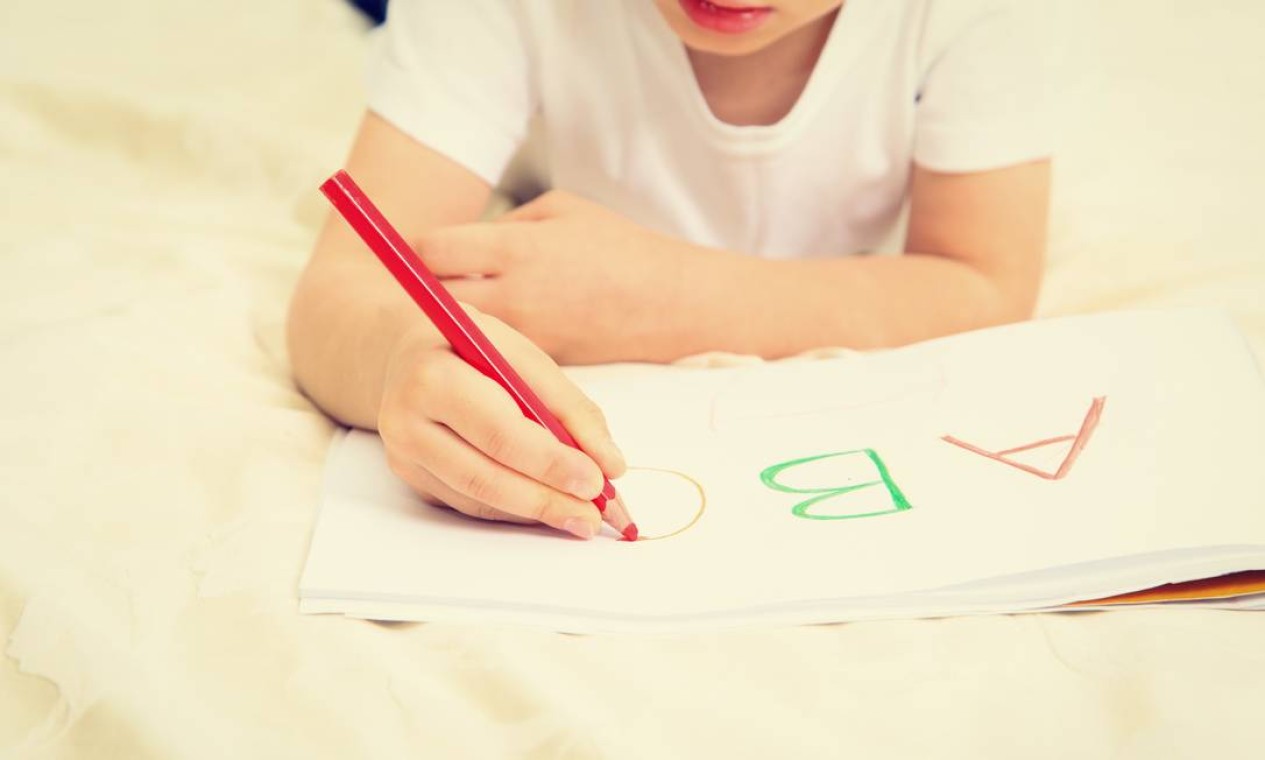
(452, 321)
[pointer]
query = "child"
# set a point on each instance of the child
(713, 167)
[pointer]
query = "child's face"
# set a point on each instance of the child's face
(738, 27)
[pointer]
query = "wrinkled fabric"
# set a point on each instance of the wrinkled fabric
(159, 472)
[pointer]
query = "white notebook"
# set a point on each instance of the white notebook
(1017, 468)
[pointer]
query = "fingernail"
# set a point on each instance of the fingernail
(584, 488)
(613, 452)
(579, 527)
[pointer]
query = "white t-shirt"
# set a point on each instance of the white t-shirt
(607, 91)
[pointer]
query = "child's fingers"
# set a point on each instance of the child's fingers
(544, 206)
(485, 416)
(586, 423)
(433, 491)
(582, 418)
(483, 293)
(473, 475)
(578, 414)
(465, 249)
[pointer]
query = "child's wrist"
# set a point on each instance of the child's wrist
(715, 290)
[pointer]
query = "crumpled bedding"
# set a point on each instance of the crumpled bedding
(159, 472)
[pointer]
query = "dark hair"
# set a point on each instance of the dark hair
(376, 10)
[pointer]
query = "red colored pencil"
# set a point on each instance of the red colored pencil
(465, 337)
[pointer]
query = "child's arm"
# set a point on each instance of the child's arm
(364, 352)
(589, 286)
(347, 314)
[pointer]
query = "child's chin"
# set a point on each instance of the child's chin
(730, 44)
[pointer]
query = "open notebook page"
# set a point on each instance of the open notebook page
(1009, 468)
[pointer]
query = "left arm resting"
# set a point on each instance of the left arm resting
(975, 248)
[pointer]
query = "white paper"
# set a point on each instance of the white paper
(1165, 487)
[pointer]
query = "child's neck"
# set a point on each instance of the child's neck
(761, 88)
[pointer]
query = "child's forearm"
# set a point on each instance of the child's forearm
(977, 243)
(348, 316)
(738, 303)
(346, 319)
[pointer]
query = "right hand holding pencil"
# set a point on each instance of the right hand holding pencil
(459, 440)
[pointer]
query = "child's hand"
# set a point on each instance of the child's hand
(458, 438)
(565, 272)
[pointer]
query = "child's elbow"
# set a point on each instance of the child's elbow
(1015, 298)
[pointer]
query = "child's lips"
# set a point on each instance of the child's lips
(726, 19)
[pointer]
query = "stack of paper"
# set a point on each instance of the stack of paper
(1024, 467)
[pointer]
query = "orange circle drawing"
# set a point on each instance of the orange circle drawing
(698, 514)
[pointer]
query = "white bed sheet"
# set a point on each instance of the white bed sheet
(159, 472)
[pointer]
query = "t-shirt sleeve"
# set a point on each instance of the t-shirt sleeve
(983, 102)
(456, 77)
